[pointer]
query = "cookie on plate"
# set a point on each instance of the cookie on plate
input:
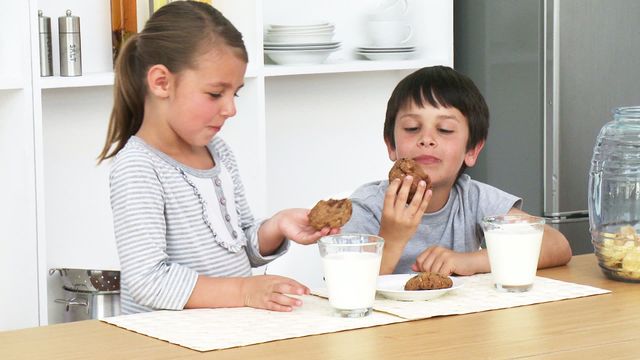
(330, 213)
(428, 281)
(404, 167)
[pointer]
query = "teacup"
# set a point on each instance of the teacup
(389, 33)
(389, 10)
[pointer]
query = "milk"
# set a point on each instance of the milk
(513, 253)
(351, 279)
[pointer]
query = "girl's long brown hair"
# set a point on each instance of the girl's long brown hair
(173, 37)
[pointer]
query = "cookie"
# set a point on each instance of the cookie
(404, 167)
(428, 281)
(330, 213)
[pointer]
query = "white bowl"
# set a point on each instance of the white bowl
(298, 57)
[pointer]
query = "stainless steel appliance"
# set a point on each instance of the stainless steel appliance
(552, 72)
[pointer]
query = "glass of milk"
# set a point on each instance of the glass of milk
(513, 243)
(351, 265)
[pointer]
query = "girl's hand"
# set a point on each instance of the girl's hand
(268, 292)
(400, 221)
(446, 261)
(294, 224)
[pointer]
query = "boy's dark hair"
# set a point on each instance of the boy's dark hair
(440, 86)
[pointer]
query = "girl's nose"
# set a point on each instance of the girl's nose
(229, 108)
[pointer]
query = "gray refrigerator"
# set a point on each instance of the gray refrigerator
(551, 72)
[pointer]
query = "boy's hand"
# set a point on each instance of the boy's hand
(268, 292)
(400, 221)
(446, 262)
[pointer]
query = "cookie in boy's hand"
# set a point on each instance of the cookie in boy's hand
(404, 167)
(330, 213)
(428, 281)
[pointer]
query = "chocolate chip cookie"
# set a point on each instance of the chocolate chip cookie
(330, 213)
(404, 167)
(428, 281)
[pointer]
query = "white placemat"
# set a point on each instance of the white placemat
(212, 329)
(478, 294)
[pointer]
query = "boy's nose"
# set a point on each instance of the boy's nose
(427, 141)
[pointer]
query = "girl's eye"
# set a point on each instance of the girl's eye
(411, 129)
(215, 95)
(236, 95)
(446, 131)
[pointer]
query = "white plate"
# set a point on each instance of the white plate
(294, 32)
(388, 56)
(392, 287)
(318, 25)
(385, 51)
(386, 48)
(309, 45)
(302, 48)
(298, 38)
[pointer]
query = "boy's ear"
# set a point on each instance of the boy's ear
(472, 154)
(159, 80)
(391, 149)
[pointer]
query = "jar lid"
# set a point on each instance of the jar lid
(627, 112)
(69, 23)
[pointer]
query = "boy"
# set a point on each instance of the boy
(438, 117)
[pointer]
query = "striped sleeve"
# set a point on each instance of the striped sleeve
(137, 202)
(248, 224)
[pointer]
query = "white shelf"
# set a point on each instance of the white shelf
(11, 83)
(349, 66)
(59, 82)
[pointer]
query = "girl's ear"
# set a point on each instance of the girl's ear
(391, 149)
(159, 80)
(472, 155)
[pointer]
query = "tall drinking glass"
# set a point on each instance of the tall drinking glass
(513, 243)
(351, 265)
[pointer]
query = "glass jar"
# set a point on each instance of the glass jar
(614, 196)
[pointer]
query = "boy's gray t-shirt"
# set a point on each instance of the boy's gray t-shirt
(456, 226)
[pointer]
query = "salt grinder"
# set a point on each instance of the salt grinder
(70, 53)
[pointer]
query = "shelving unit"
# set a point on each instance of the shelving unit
(302, 133)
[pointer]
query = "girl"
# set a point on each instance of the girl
(185, 235)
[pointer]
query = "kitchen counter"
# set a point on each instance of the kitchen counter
(603, 326)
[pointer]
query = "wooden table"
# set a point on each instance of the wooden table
(597, 327)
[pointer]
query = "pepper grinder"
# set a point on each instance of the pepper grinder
(70, 53)
(46, 58)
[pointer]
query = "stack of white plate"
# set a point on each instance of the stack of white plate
(300, 44)
(386, 53)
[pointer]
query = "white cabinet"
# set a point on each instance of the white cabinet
(18, 241)
(302, 133)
